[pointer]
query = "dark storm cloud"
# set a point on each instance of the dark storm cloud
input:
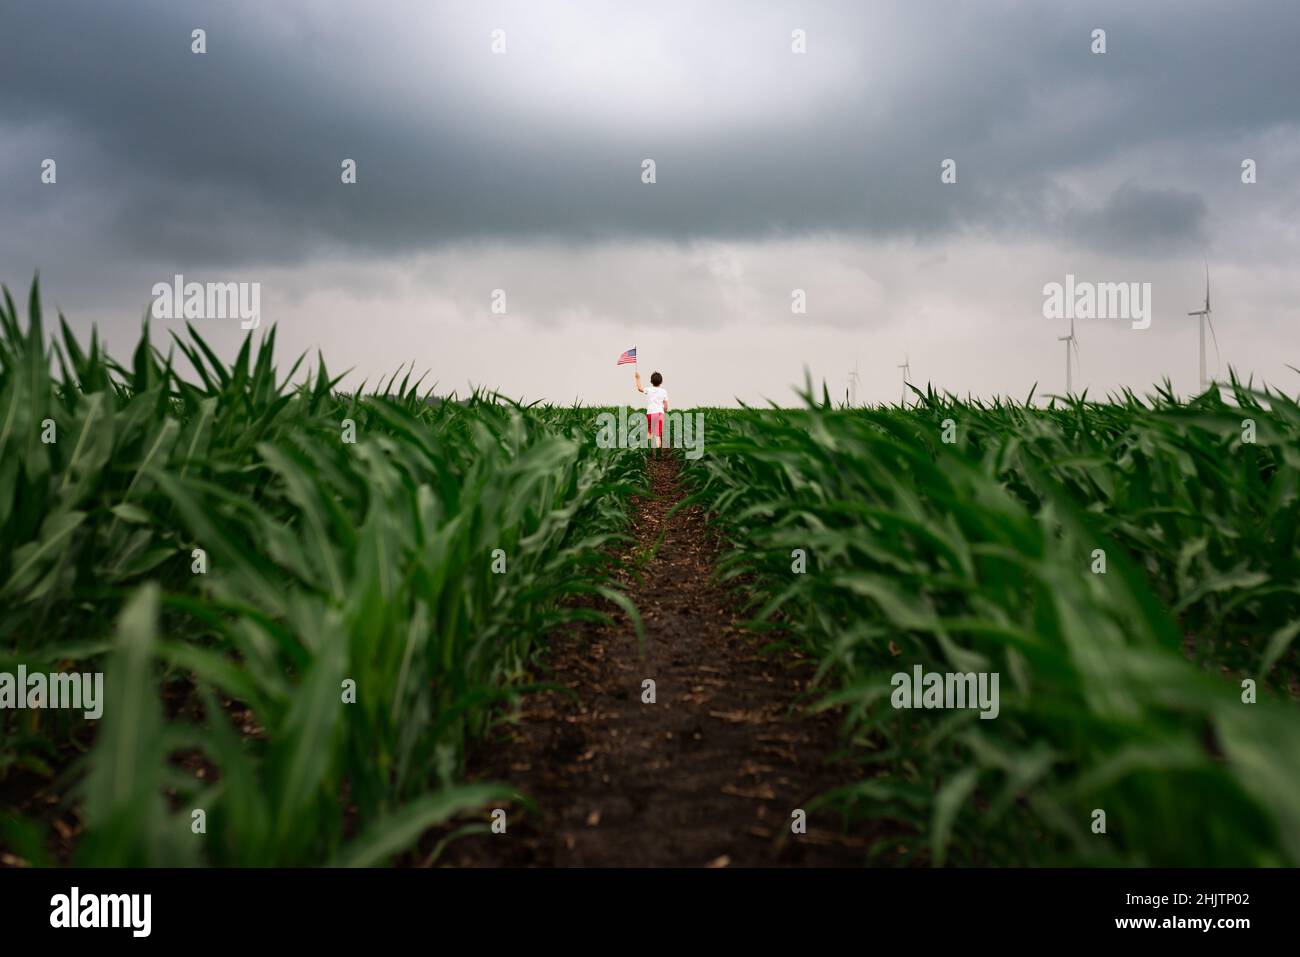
(233, 157)
(1137, 221)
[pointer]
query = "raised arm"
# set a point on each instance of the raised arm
(637, 372)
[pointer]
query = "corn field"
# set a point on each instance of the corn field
(311, 606)
(323, 562)
(967, 536)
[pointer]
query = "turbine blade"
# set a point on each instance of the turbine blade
(1218, 359)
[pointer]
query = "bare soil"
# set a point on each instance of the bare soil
(707, 775)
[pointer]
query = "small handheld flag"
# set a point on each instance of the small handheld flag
(627, 357)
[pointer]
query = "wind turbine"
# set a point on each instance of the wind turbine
(1069, 341)
(907, 368)
(853, 384)
(1204, 315)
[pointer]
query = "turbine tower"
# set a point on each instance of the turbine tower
(907, 368)
(1204, 315)
(853, 384)
(1069, 341)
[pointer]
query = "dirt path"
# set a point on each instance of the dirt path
(709, 774)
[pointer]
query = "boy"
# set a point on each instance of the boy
(656, 404)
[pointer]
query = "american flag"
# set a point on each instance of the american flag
(627, 357)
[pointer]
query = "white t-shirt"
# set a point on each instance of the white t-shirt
(655, 397)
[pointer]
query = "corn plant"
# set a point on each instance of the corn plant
(318, 598)
(1121, 688)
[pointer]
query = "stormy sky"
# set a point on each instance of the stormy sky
(522, 171)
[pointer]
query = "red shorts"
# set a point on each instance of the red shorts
(655, 423)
